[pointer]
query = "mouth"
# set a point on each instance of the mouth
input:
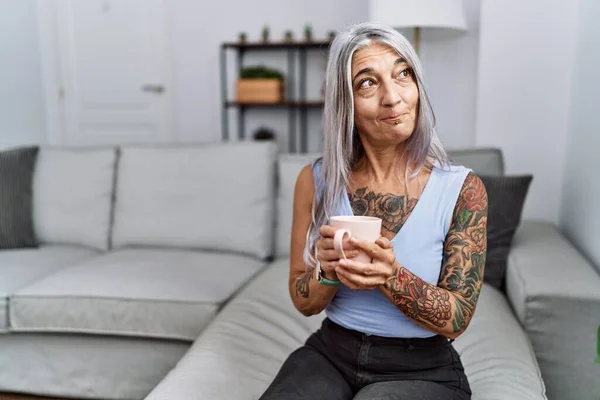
(394, 119)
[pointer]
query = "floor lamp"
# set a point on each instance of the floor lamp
(418, 14)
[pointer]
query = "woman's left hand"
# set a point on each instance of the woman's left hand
(367, 276)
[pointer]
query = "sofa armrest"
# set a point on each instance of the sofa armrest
(555, 293)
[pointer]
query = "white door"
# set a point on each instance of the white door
(113, 71)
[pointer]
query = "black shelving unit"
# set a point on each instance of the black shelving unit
(297, 106)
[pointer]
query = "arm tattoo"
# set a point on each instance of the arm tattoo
(303, 284)
(465, 250)
(418, 299)
(450, 305)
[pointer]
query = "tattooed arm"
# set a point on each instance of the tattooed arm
(309, 296)
(447, 309)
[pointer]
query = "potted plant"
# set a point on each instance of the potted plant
(265, 33)
(260, 84)
(289, 36)
(264, 133)
(308, 32)
(243, 37)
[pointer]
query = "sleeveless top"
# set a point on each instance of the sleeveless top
(418, 247)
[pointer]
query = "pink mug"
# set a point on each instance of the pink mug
(360, 227)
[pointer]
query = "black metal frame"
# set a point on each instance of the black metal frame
(301, 105)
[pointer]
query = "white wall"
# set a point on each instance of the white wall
(580, 211)
(197, 32)
(21, 105)
(526, 51)
(450, 62)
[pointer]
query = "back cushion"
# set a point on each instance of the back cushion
(72, 196)
(212, 197)
(484, 161)
(288, 168)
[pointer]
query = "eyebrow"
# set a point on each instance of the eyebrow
(368, 70)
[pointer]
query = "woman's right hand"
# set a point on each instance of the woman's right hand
(326, 254)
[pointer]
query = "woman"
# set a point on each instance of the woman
(390, 323)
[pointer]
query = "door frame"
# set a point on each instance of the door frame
(52, 79)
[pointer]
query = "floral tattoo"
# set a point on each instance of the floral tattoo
(392, 209)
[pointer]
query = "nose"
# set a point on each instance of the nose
(391, 95)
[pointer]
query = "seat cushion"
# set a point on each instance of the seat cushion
(140, 292)
(497, 355)
(208, 197)
(72, 196)
(21, 267)
(239, 354)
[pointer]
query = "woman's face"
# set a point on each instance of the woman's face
(385, 93)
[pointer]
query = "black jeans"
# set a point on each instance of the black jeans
(338, 363)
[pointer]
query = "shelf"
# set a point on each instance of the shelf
(293, 104)
(277, 45)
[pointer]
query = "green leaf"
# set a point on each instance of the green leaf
(463, 217)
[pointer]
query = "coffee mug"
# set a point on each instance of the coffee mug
(359, 227)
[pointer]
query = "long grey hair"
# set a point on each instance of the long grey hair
(342, 145)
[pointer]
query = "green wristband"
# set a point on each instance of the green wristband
(329, 282)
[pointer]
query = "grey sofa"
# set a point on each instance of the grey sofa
(162, 274)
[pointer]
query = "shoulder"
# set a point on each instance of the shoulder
(305, 183)
(472, 199)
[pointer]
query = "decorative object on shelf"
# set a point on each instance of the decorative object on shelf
(308, 32)
(263, 134)
(293, 98)
(260, 84)
(448, 14)
(289, 36)
(265, 33)
(331, 35)
(243, 37)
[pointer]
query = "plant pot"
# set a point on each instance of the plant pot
(259, 90)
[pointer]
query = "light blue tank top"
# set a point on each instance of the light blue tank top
(418, 247)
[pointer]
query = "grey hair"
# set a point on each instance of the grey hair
(342, 146)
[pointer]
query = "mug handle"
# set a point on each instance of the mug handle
(337, 241)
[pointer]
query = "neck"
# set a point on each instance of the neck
(383, 163)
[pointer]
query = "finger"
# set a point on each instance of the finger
(356, 282)
(332, 255)
(362, 269)
(327, 231)
(384, 242)
(371, 248)
(327, 243)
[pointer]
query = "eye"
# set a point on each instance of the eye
(366, 83)
(405, 73)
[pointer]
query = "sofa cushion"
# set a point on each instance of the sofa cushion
(16, 204)
(506, 198)
(288, 169)
(484, 161)
(84, 366)
(161, 293)
(239, 354)
(72, 196)
(555, 293)
(211, 197)
(21, 267)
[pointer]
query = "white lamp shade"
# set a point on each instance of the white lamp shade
(447, 14)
